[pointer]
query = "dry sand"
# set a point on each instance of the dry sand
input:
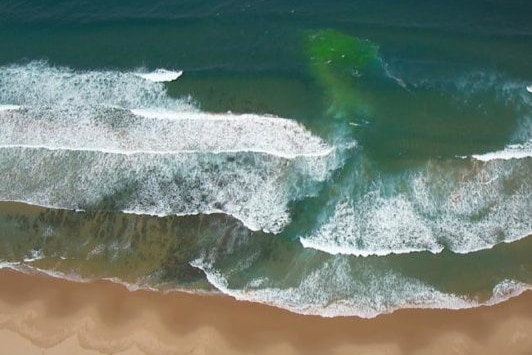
(44, 315)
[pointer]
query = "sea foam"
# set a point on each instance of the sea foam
(461, 207)
(331, 291)
(111, 140)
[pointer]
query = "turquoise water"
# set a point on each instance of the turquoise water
(339, 158)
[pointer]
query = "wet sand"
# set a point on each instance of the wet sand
(44, 315)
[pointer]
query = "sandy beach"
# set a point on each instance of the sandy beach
(44, 315)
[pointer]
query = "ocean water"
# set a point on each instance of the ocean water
(339, 158)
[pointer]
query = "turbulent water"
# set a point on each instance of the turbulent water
(339, 158)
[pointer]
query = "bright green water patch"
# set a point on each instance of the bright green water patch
(337, 60)
(399, 121)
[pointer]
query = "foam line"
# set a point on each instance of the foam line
(249, 225)
(184, 132)
(169, 152)
(336, 249)
(195, 134)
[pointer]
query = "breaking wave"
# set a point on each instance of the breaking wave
(161, 75)
(332, 291)
(512, 151)
(461, 207)
(111, 140)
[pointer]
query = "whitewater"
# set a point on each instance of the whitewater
(117, 142)
(86, 135)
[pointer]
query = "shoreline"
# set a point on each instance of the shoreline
(41, 313)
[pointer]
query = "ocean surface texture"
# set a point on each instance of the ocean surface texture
(326, 157)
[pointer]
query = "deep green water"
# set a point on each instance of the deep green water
(385, 161)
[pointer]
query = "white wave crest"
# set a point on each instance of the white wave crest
(513, 151)
(10, 107)
(161, 75)
(112, 140)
